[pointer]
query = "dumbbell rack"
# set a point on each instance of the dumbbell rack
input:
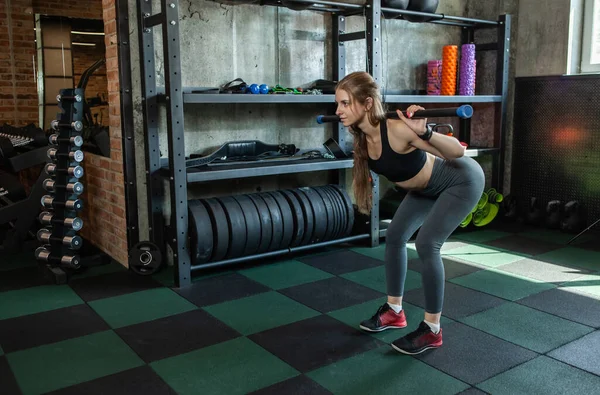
(61, 224)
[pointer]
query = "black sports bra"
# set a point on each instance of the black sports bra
(394, 166)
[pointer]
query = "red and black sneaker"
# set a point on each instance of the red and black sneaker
(385, 318)
(418, 341)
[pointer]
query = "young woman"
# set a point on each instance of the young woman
(443, 187)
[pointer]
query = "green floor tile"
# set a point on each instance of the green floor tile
(133, 308)
(285, 274)
(588, 284)
(487, 256)
(69, 362)
(36, 300)
(379, 251)
(374, 278)
(574, 257)
(389, 372)
(481, 236)
(533, 329)
(502, 284)
(542, 375)
(235, 367)
(353, 315)
(260, 312)
(553, 236)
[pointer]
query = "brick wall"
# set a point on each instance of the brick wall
(105, 221)
(18, 91)
(89, 9)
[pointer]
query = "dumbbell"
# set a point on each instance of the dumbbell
(47, 218)
(71, 261)
(73, 171)
(72, 242)
(76, 156)
(50, 202)
(77, 125)
(76, 141)
(71, 187)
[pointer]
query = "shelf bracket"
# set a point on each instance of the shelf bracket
(153, 20)
(352, 36)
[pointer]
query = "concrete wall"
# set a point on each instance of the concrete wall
(279, 46)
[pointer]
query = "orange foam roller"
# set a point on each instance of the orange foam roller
(449, 69)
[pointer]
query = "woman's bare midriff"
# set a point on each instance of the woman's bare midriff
(421, 180)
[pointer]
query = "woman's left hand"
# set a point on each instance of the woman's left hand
(416, 125)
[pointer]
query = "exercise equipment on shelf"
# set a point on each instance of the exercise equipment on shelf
(61, 223)
(486, 210)
(242, 225)
(465, 111)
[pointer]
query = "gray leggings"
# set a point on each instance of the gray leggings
(453, 191)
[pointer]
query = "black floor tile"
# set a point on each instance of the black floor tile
(452, 268)
(49, 327)
(8, 383)
(459, 301)
(175, 335)
(515, 243)
(24, 277)
(472, 391)
(316, 342)
(507, 226)
(583, 353)
(574, 307)
(299, 385)
(342, 262)
(592, 244)
(140, 380)
(331, 294)
(473, 356)
(219, 289)
(112, 284)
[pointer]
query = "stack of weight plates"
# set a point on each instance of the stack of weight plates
(242, 225)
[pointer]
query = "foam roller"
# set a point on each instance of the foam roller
(449, 68)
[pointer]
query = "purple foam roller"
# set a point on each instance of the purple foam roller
(434, 77)
(467, 70)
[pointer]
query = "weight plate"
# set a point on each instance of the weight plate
(341, 209)
(349, 209)
(299, 223)
(145, 258)
(276, 220)
(318, 208)
(220, 227)
(328, 213)
(309, 217)
(337, 218)
(201, 233)
(237, 227)
(266, 225)
(252, 224)
(287, 219)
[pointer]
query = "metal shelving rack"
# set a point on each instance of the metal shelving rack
(175, 96)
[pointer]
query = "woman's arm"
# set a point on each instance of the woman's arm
(448, 147)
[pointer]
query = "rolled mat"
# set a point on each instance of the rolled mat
(467, 70)
(434, 77)
(449, 69)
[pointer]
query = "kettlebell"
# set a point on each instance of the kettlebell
(534, 213)
(510, 208)
(573, 221)
(553, 214)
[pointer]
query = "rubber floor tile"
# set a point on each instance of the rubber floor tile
(330, 294)
(142, 380)
(388, 372)
(583, 353)
(486, 256)
(543, 271)
(285, 274)
(588, 285)
(112, 284)
(71, 362)
(49, 327)
(234, 367)
(379, 251)
(300, 385)
(452, 267)
(36, 300)
(520, 245)
(186, 332)
(529, 328)
(24, 277)
(473, 356)
(375, 278)
(542, 375)
(341, 262)
(315, 342)
(481, 236)
(573, 257)
(8, 383)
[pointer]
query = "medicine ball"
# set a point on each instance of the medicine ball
(421, 6)
(397, 4)
(295, 5)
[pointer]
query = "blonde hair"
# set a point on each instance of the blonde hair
(360, 86)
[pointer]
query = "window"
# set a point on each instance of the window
(590, 50)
